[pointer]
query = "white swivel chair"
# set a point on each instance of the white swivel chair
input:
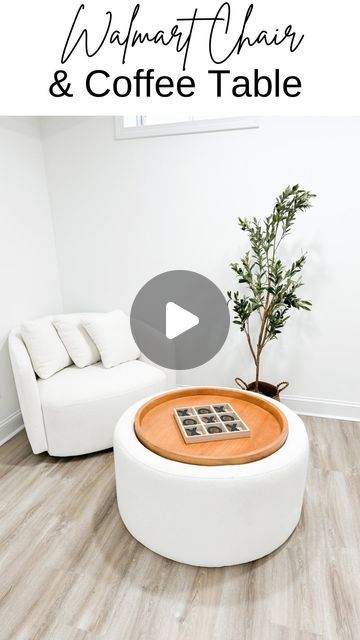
(75, 411)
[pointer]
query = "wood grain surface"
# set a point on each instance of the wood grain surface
(156, 427)
(69, 570)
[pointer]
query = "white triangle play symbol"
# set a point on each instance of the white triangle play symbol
(178, 320)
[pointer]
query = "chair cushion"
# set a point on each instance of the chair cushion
(47, 353)
(81, 348)
(81, 386)
(81, 406)
(112, 335)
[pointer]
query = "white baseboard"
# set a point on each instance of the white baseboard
(10, 426)
(323, 408)
(319, 407)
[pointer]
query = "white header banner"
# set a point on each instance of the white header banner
(101, 57)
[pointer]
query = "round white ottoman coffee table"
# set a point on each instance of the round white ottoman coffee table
(210, 516)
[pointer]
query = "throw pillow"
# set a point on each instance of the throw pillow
(47, 353)
(112, 335)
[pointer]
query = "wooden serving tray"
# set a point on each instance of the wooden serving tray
(157, 430)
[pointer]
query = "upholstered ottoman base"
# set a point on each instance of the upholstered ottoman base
(210, 515)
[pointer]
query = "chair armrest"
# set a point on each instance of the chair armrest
(28, 393)
(170, 373)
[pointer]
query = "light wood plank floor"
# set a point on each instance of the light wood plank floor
(71, 571)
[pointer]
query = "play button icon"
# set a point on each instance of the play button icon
(179, 319)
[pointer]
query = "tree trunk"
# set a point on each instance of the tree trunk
(257, 374)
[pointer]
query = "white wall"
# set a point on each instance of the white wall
(127, 210)
(28, 270)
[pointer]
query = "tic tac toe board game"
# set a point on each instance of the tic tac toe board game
(206, 423)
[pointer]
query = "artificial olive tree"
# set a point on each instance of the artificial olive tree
(271, 285)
